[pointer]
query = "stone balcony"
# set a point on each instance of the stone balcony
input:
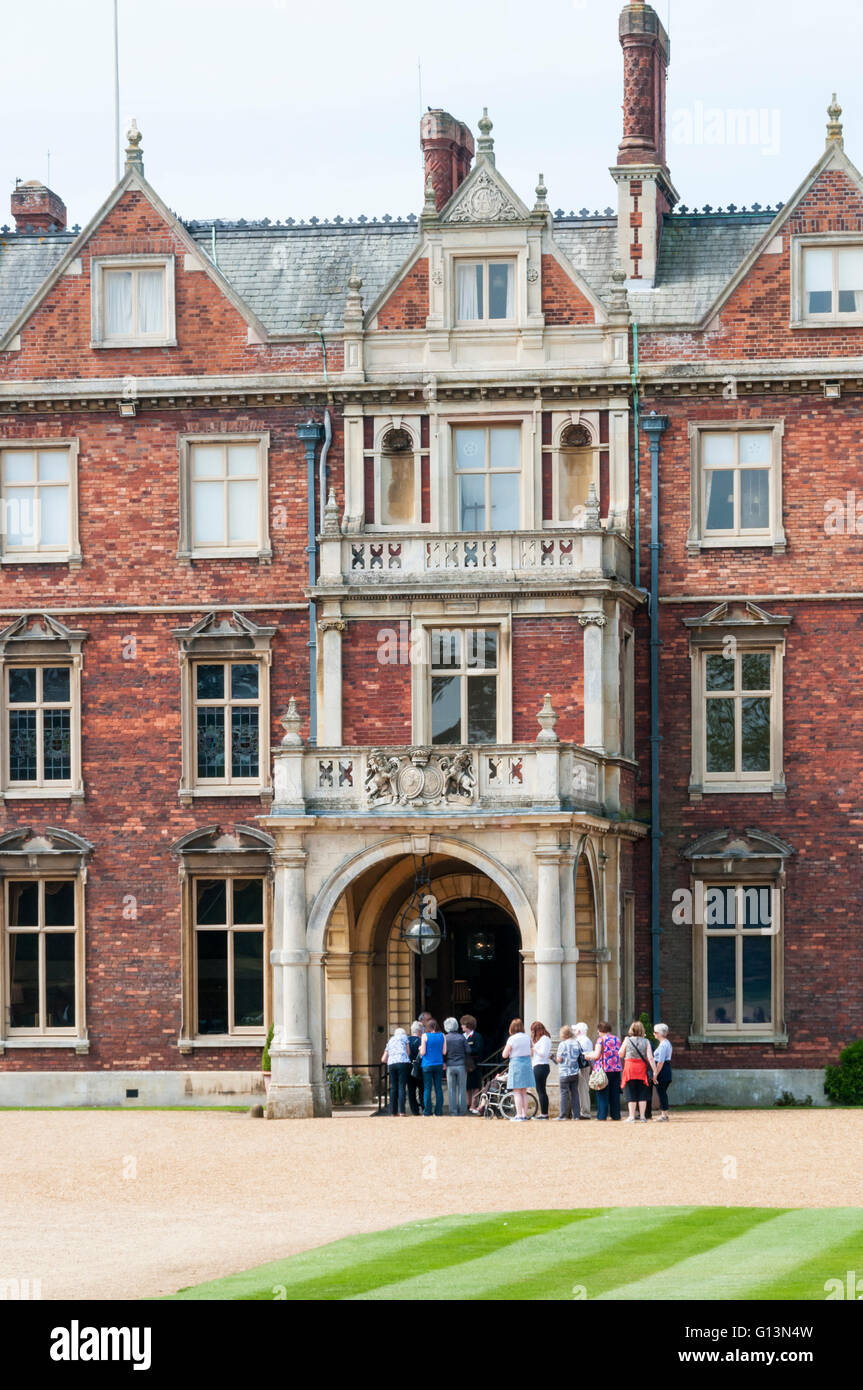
(439, 781)
(419, 558)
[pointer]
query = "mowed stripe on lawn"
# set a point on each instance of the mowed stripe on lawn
(340, 1269)
(533, 1258)
(626, 1254)
(768, 1252)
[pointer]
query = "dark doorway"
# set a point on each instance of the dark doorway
(476, 970)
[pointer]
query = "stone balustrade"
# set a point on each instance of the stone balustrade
(439, 781)
(392, 558)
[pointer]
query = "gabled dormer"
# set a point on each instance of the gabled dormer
(487, 280)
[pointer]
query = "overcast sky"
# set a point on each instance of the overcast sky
(276, 108)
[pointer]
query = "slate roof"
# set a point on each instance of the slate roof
(25, 261)
(294, 277)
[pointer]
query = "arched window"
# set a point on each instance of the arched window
(398, 480)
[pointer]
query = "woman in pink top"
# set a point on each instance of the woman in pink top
(606, 1056)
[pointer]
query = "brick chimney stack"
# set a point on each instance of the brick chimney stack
(645, 191)
(34, 205)
(448, 149)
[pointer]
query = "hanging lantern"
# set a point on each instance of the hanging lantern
(481, 945)
(422, 925)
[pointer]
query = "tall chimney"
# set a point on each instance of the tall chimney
(645, 190)
(448, 149)
(34, 205)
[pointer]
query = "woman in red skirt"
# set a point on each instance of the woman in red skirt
(636, 1055)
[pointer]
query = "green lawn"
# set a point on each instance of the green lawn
(605, 1253)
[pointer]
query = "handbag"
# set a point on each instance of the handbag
(582, 1060)
(597, 1080)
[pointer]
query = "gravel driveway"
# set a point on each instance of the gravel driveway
(132, 1204)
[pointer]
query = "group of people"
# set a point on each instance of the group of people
(611, 1065)
(416, 1063)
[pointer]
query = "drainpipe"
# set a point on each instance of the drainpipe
(328, 437)
(310, 433)
(654, 426)
(635, 407)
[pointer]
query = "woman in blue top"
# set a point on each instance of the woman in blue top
(662, 1068)
(432, 1051)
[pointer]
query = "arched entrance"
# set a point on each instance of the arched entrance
(476, 970)
(374, 983)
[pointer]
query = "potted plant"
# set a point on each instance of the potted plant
(266, 1065)
(354, 1089)
(337, 1080)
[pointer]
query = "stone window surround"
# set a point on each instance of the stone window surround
(56, 855)
(72, 556)
(188, 552)
(708, 641)
(498, 618)
(205, 854)
(697, 540)
(825, 240)
(458, 242)
(443, 417)
(20, 645)
(237, 639)
(98, 265)
(384, 425)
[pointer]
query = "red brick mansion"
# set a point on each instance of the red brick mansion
(486, 580)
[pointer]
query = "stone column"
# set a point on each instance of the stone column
(549, 952)
(331, 630)
(569, 997)
(592, 625)
(293, 1094)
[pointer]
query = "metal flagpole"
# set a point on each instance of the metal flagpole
(116, 98)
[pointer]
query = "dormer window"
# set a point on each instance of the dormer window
(133, 302)
(827, 280)
(485, 291)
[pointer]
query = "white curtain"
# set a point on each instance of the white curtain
(851, 279)
(510, 293)
(468, 300)
(150, 301)
(118, 303)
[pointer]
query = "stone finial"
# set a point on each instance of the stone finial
(430, 209)
(834, 125)
(618, 299)
(331, 516)
(291, 721)
(591, 510)
(134, 153)
(485, 144)
(547, 717)
(541, 204)
(353, 299)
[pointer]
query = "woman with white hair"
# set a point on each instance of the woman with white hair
(583, 1041)
(397, 1058)
(457, 1058)
(662, 1069)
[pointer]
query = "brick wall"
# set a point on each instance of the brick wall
(562, 300)
(408, 305)
(131, 814)
(376, 701)
(547, 655)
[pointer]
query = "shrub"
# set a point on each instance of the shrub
(265, 1055)
(354, 1089)
(844, 1083)
(648, 1028)
(789, 1098)
(337, 1080)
